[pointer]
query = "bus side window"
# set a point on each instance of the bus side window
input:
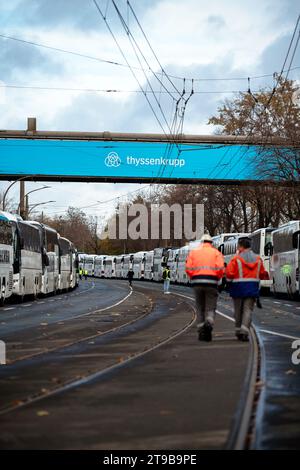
(296, 239)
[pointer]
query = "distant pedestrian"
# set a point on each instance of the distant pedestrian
(80, 273)
(85, 274)
(205, 268)
(244, 272)
(130, 275)
(166, 278)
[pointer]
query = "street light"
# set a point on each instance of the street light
(14, 182)
(29, 192)
(39, 204)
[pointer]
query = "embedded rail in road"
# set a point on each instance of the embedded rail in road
(130, 374)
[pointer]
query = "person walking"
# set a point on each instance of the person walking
(80, 273)
(85, 274)
(166, 275)
(130, 275)
(205, 268)
(243, 274)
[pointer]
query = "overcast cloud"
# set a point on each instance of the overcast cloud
(194, 38)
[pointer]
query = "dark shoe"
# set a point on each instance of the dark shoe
(205, 334)
(243, 337)
(201, 335)
(208, 331)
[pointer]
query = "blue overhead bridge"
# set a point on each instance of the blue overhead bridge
(71, 156)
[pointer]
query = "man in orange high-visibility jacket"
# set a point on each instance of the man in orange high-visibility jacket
(205, 268)
(244, 271)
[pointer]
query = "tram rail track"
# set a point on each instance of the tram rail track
(97, 374)
(242, 432)
(86, 338)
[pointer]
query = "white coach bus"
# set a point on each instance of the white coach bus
(75, 267)
(28, 263)
(261, 244)
(99, 266)
(50, 258)
(7, 235)
(285, 260)
(127, 264)
(109, 266)
(119, 266)
(229, 247)
(88, 264)
(218, 240)
(65, 263)
(148, 276)
(182, 277)
(173, 264)
(138, 264)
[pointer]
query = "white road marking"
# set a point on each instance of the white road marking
(259, 329)
(9, 308)
(279, 334)
(287, 305)
(104, 309)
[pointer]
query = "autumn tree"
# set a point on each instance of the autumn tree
(268, 114)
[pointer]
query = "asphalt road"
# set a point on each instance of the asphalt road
(183, 394)
(144, 381)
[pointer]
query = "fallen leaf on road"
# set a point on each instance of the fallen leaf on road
(42, 413)
(17, 402)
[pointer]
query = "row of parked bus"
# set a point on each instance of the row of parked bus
(278, 248)
(34, 259)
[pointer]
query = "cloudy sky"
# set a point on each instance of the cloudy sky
(192, 39)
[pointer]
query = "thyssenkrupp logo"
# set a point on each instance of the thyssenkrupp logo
(112, 160)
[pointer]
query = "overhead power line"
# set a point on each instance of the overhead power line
(120, 64)
(103, 90)
(126, 60)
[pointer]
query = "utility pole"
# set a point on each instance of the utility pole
(26, 206)
(22, 198)
(31, 129)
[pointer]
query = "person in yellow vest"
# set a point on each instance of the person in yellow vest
(166, 278)
(205, 268)
(85, 274)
